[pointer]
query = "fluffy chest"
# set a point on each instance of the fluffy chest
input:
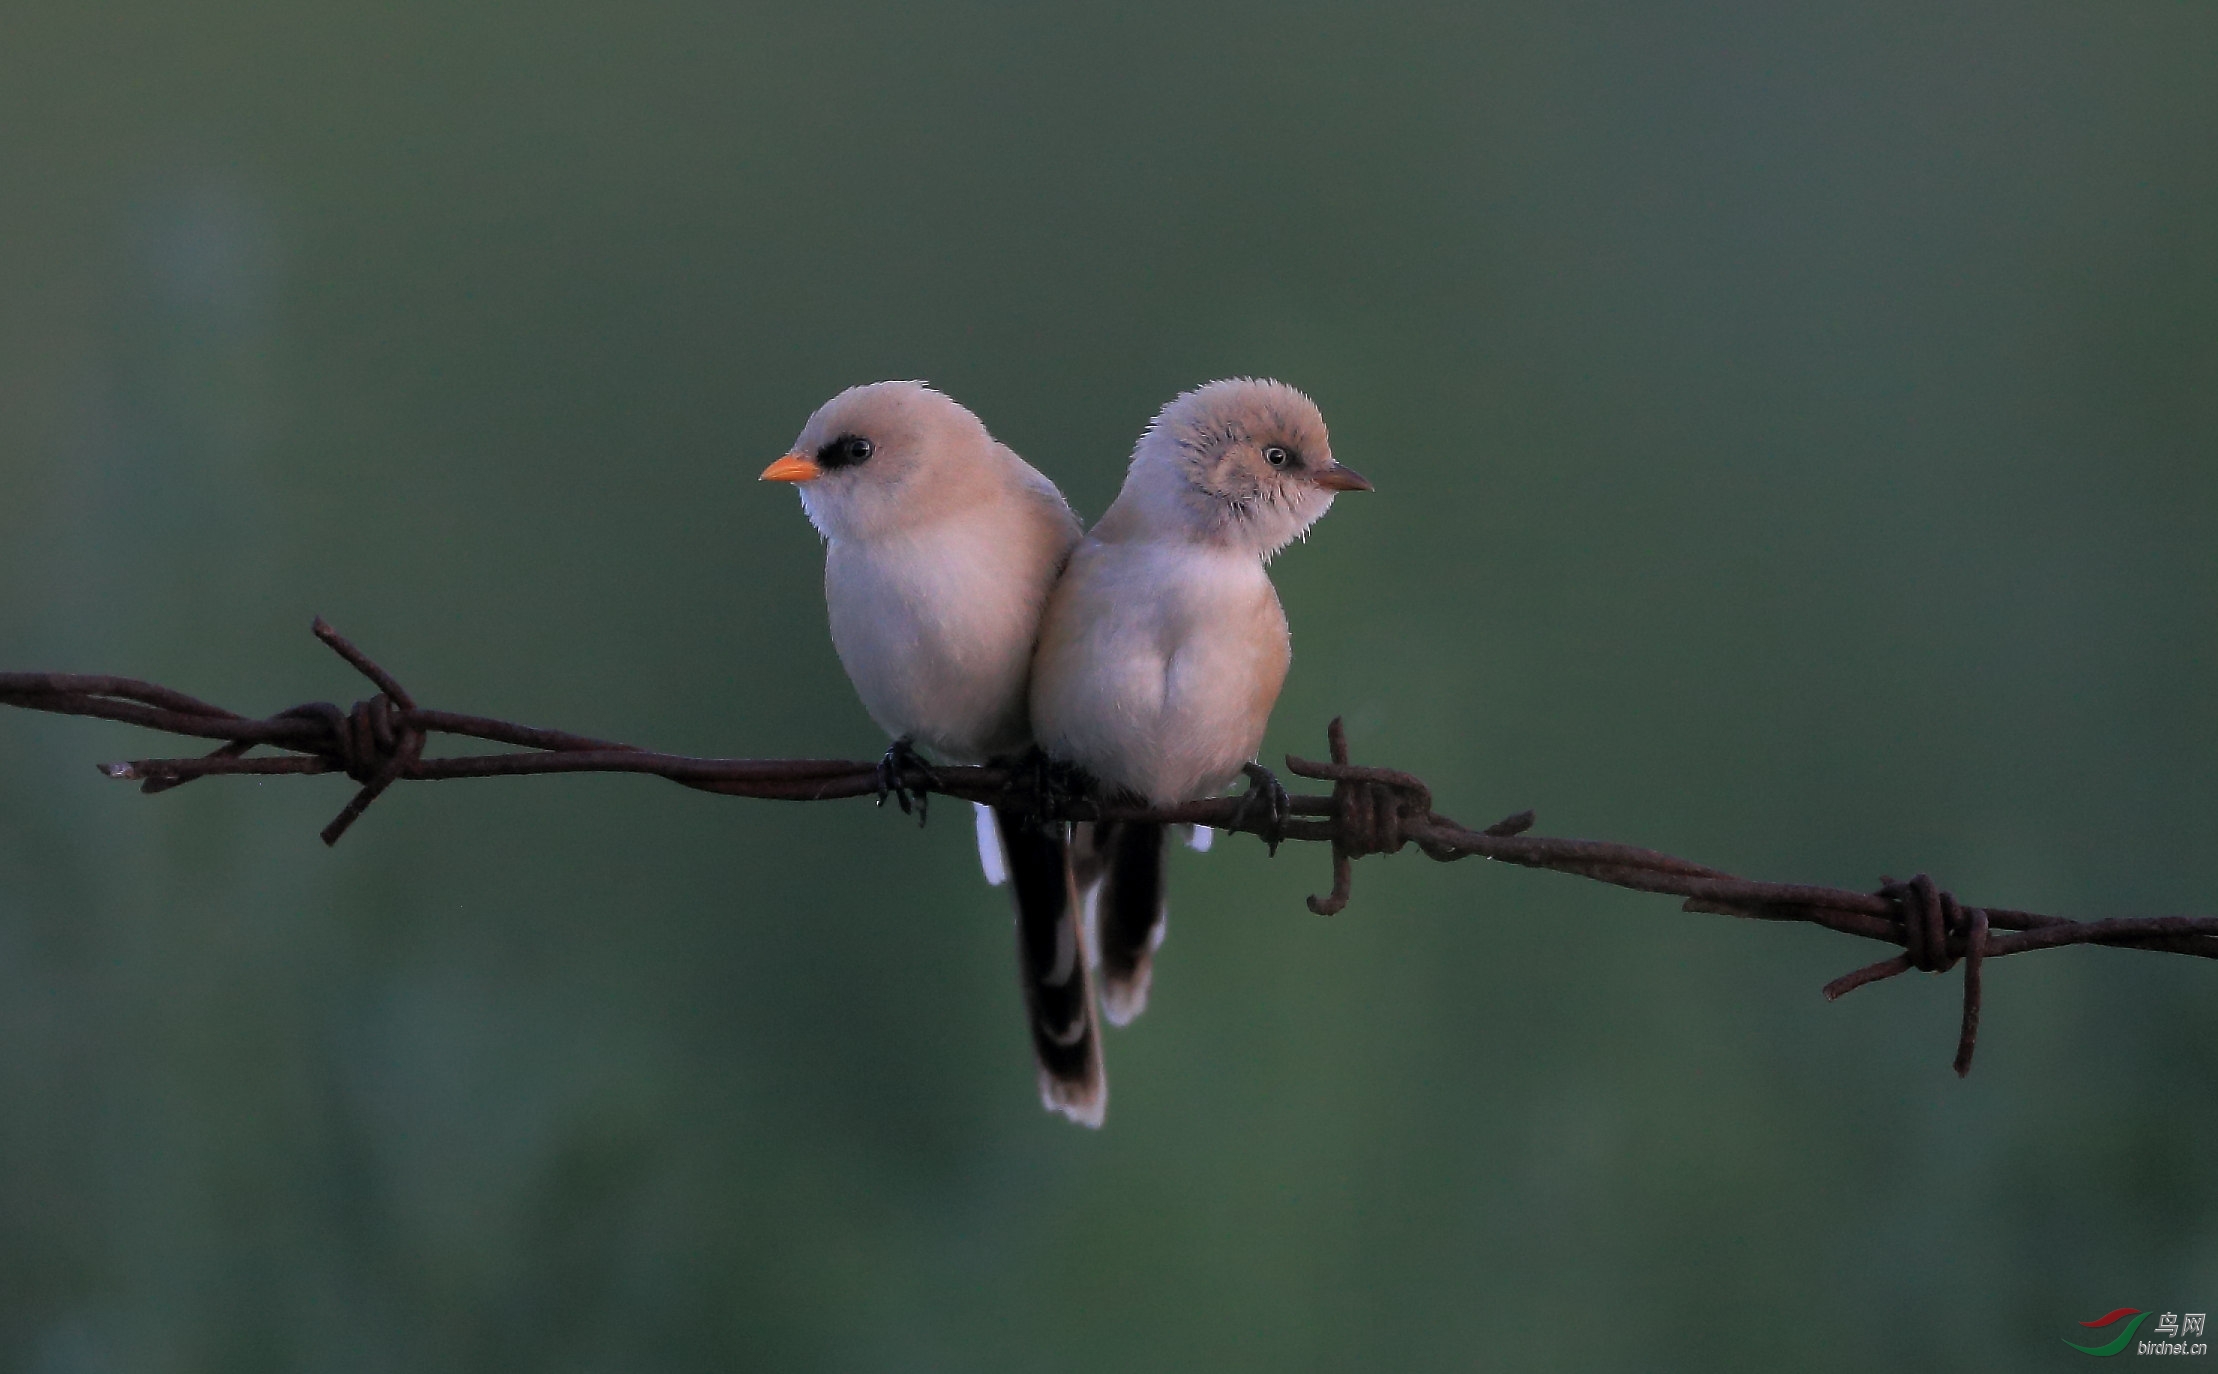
(936, 629)
(1162, 665)
(941, 592)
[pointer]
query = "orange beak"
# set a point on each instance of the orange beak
(1334, 478)
(794, 467)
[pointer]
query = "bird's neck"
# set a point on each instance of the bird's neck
(1162, 507)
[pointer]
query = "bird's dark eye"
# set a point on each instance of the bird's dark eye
(845, 451)
(1276, 456)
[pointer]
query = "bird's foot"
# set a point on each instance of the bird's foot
(1052, 784)
(894, 770)
(1264, 790)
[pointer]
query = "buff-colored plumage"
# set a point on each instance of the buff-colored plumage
(1164, 645)
(940, 548)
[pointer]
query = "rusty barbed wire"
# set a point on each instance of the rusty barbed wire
(1369, 811)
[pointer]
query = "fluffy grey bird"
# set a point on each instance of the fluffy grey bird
(940, 547)
(1164, 645)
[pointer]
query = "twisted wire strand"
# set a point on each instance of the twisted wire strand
(1370, 811)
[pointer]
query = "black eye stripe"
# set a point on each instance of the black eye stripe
(845, 452)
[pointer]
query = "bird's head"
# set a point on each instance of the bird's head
(876, 457)
(1243, 461)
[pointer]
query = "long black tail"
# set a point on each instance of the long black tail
(1128, 914)
(1051, 958)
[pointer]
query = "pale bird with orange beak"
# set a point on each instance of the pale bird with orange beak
(1164, 645)
(941, 546)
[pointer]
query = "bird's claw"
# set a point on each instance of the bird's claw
(1053, 785)
(900, 760)
(1265, 789)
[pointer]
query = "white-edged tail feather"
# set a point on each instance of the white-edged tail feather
(1053, 966)
(1128, 916)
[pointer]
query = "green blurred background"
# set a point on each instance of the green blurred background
(1796, 432)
